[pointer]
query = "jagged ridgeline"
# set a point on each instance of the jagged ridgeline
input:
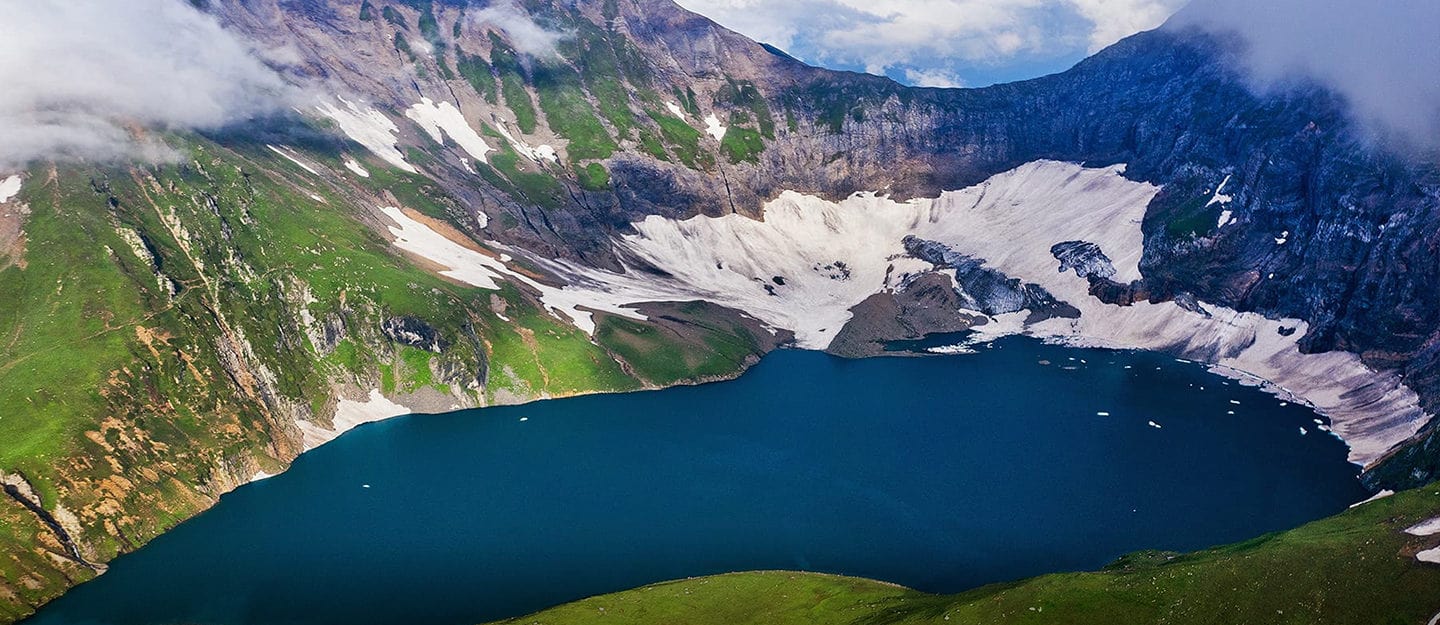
(483, 205)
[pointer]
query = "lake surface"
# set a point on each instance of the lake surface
(937, 473)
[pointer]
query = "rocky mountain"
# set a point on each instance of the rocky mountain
(458, 217)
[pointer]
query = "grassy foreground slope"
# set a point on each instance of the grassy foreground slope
(1357, 567)
(166, 330)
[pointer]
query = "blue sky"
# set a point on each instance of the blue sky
(940, 42)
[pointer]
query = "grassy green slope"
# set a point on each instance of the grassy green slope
(1355, 568)
(168, 325)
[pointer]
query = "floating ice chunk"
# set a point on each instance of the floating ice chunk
(9, 188)
(364, 486)
(713, 127)
(1304, 431)
(952, 350)
(1102, 414)
(1155, 425)
(1284, 236)
(675, 109)
(354, 165)
(524, 418)
(435, 118)
(1225, 218)
(369, 128)
(1235, 401)
(290, 157)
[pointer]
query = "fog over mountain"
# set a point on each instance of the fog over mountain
(80, 78)
(1371, 53)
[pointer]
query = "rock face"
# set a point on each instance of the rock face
(987, 290)
(1085, 258)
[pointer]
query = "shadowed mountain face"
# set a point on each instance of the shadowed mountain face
(1317, 224)
(402, 238)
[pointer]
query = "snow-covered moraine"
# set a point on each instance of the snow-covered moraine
(809, 261)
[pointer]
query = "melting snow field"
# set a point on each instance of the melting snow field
(1428, 527)
(811, 260)
(354, 166)
(369, 128)
(348, 415)
(286, 152)
(9, 188)
(435, 118)
(713, 127)
(537, 154)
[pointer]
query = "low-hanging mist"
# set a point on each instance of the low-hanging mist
(88, 79)
(1380, 56)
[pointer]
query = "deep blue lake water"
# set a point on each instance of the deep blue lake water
(937, 473)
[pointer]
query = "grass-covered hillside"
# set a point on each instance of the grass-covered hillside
(165, 330)
(1357, 568)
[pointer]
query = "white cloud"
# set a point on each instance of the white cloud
(527, 36)
(1114, 20)
(932, 78)
(77, 76)
(1381, 56)
(924, 36)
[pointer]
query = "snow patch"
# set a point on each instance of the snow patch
(369, 128)
(9, 188)
(1220, 198)
(348, 415)
(830, 256)
(713, 127)
(285, 152)
(435, 118)
(1380, 495)
(482, 270)
(1429, 555)
(1225, 218)
(464, 264)
(676, 110)
(355, 166)
(537, 154)
(1428, 527)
